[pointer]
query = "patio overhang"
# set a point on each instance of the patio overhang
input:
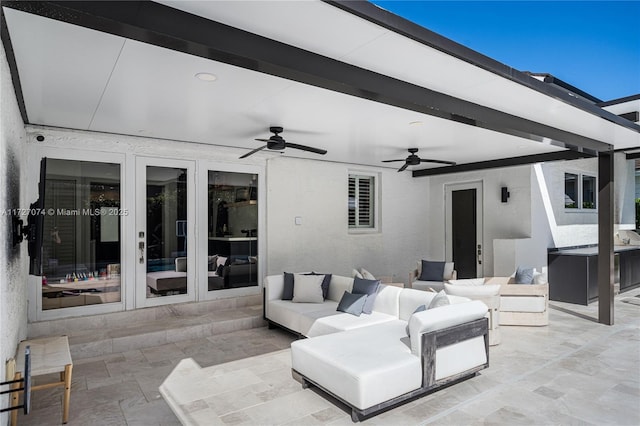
(494, 117)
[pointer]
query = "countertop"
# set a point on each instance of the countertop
(592, 251)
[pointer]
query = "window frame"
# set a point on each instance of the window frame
(374, 194)
(581, 178)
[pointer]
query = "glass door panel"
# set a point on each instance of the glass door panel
(232, 230)
(81, 234)
(164, 233)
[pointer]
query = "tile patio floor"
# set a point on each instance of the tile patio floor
(575, 371)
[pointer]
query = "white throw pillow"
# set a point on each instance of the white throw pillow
(356, 274)
(472, 290)
(440, 299)
(366, 274)
(307, 288)
(539, 277)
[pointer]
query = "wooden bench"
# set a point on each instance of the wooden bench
(48, 355)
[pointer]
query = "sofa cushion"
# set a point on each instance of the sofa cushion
(472, 290)
(346, 366)
(524, 275)
(432, 271)
(352, 303)
(468, 281)
(439, 300)
(522, 304)
(181, 264)
(388, 300)
(320, 323)
(428, 285)
(339, 285)
(368, 287)
(410, 299)
(307, 289)
(299, 317)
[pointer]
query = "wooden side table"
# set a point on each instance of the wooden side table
(48, 355)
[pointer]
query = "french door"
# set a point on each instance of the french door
(165, 231)
(464, 229)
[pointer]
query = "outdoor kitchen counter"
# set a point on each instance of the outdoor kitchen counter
(573, 272)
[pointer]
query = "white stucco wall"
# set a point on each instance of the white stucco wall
(500, 220)
(579, 227)
(316, 192)
(13, 261)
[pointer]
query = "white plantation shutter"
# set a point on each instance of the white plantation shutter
(361, 201)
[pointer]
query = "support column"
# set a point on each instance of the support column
(605, 238)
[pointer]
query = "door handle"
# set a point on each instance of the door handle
(479, 254)
(141, 247)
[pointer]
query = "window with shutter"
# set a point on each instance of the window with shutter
(361, 201)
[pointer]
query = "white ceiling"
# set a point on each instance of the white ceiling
(74, 77)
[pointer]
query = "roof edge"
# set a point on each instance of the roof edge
(386, 19)
(619, 100)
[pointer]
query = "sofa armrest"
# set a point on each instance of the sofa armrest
(524, 289)
(413, 275)
(274, 287)
(441, 318)
(498, 280)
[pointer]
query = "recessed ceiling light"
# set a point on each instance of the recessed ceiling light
(415, 123)
(206, 76)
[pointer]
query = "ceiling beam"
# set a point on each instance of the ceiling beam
(504, 162)
(563, 92)
(633, 155)
(170, 28)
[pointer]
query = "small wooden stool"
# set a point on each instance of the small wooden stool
(48, 355)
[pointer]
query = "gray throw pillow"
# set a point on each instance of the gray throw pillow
(440, 299)
(325, 284)
(287, 291)
(432, 271)
(418, 309)
(524, 275)
(352, 303)
(368, 287)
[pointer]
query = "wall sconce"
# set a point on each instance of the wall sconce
(504, 196)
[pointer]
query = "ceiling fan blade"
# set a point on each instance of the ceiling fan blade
(449, 163)
(402, 169)
(253, 152)
(305, 148)
(391, 161)
(263, 140)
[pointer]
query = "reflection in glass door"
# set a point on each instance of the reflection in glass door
(164, 232)
(82, 227)
(232, 230)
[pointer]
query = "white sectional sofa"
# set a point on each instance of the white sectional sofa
(368, 361)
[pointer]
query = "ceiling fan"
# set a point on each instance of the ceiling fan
(414, 160)
(277, 143)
